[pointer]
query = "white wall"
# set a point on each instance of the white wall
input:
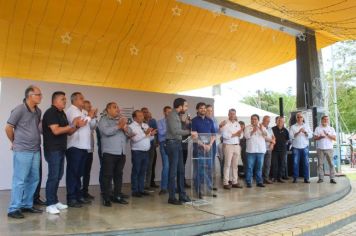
(12, 93)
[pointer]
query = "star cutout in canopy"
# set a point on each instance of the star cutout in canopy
(179, 58)
(176, 11)
(66, 38)
(233, 27)
(134, 50)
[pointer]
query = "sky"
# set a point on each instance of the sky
(280, 79)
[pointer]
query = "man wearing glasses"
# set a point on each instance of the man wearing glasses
(22, 129)
(300, 134)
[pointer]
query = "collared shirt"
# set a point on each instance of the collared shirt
(81, 138)
(27, 135)
(204, 126)
(52, 142)
(255, 143)
(140, 141)
(301, 140)
(113, 140)
(229, 129)
(282, 138)
(269, 136)
(325, 143)
(162, 129)
(174, 127)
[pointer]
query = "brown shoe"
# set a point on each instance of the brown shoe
(227, 186)
(237, 185)
(267, 181)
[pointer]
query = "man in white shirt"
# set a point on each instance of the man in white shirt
(141, 135)
(231, 133)
(300, 134)
(270, 141)
(77, 150)
(255, 135)
(324, 135)
(89, 161)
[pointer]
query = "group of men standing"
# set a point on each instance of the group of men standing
(70, 134)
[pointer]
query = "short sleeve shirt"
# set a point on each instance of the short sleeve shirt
(52, 142)
(27, 135)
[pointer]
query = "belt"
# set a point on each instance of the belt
(173, 140)
(231, 144)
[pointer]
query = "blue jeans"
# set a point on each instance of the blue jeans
(55, 160)
(24, 180)
(252, 160)
(76, 159)
(165, 166)
(176, 168)
(139, 167)
(301, 155)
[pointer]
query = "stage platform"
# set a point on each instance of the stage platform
(152, 215)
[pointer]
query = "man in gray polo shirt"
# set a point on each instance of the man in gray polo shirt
(22, 129)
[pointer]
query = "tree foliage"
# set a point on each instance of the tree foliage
(344, 56)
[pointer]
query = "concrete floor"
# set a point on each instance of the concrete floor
(153, 211)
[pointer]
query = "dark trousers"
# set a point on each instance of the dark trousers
(76, 159)
(100, 155)
(266, 165)
(37, 196)
(113, 166)
(86, 175)
(278, 164)
(176, 168)
(139, 167)
(151, 165)
(185, 157)
(55, 160)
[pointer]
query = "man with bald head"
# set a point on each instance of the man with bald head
(22, 129)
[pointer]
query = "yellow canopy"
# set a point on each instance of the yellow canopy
(154, 45)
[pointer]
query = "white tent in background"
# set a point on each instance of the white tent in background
(243, 111)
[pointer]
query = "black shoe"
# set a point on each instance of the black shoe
(74, 204)
(249, 185)
(306, 181)
(136, 194)
(31, 210)
(285, 178)
(185, 199)
(122, 195)
(260, 185)
(320, 181)
(107, 203)
(280, 181)
(84, 201)
(144, 193)
(186, 185)
(39, 202)
(332, 181)
(119, 200)
(154, 185)
(212, 195)
(215, 189)
(162, 192)
(88, 196)
(294, 181)
(174, 202)
(16, 214)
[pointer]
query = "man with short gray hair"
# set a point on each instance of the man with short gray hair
(23, 131)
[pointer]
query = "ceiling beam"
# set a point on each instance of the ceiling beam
(243, 13)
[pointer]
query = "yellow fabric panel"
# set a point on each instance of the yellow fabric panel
(150, 45)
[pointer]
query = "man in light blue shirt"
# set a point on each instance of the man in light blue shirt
(162, 129)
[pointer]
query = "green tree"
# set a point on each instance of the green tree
(269, 101)
(345, 76)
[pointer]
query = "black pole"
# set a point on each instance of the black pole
(281, 110)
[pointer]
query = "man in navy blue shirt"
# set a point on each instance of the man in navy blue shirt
(202, 150)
